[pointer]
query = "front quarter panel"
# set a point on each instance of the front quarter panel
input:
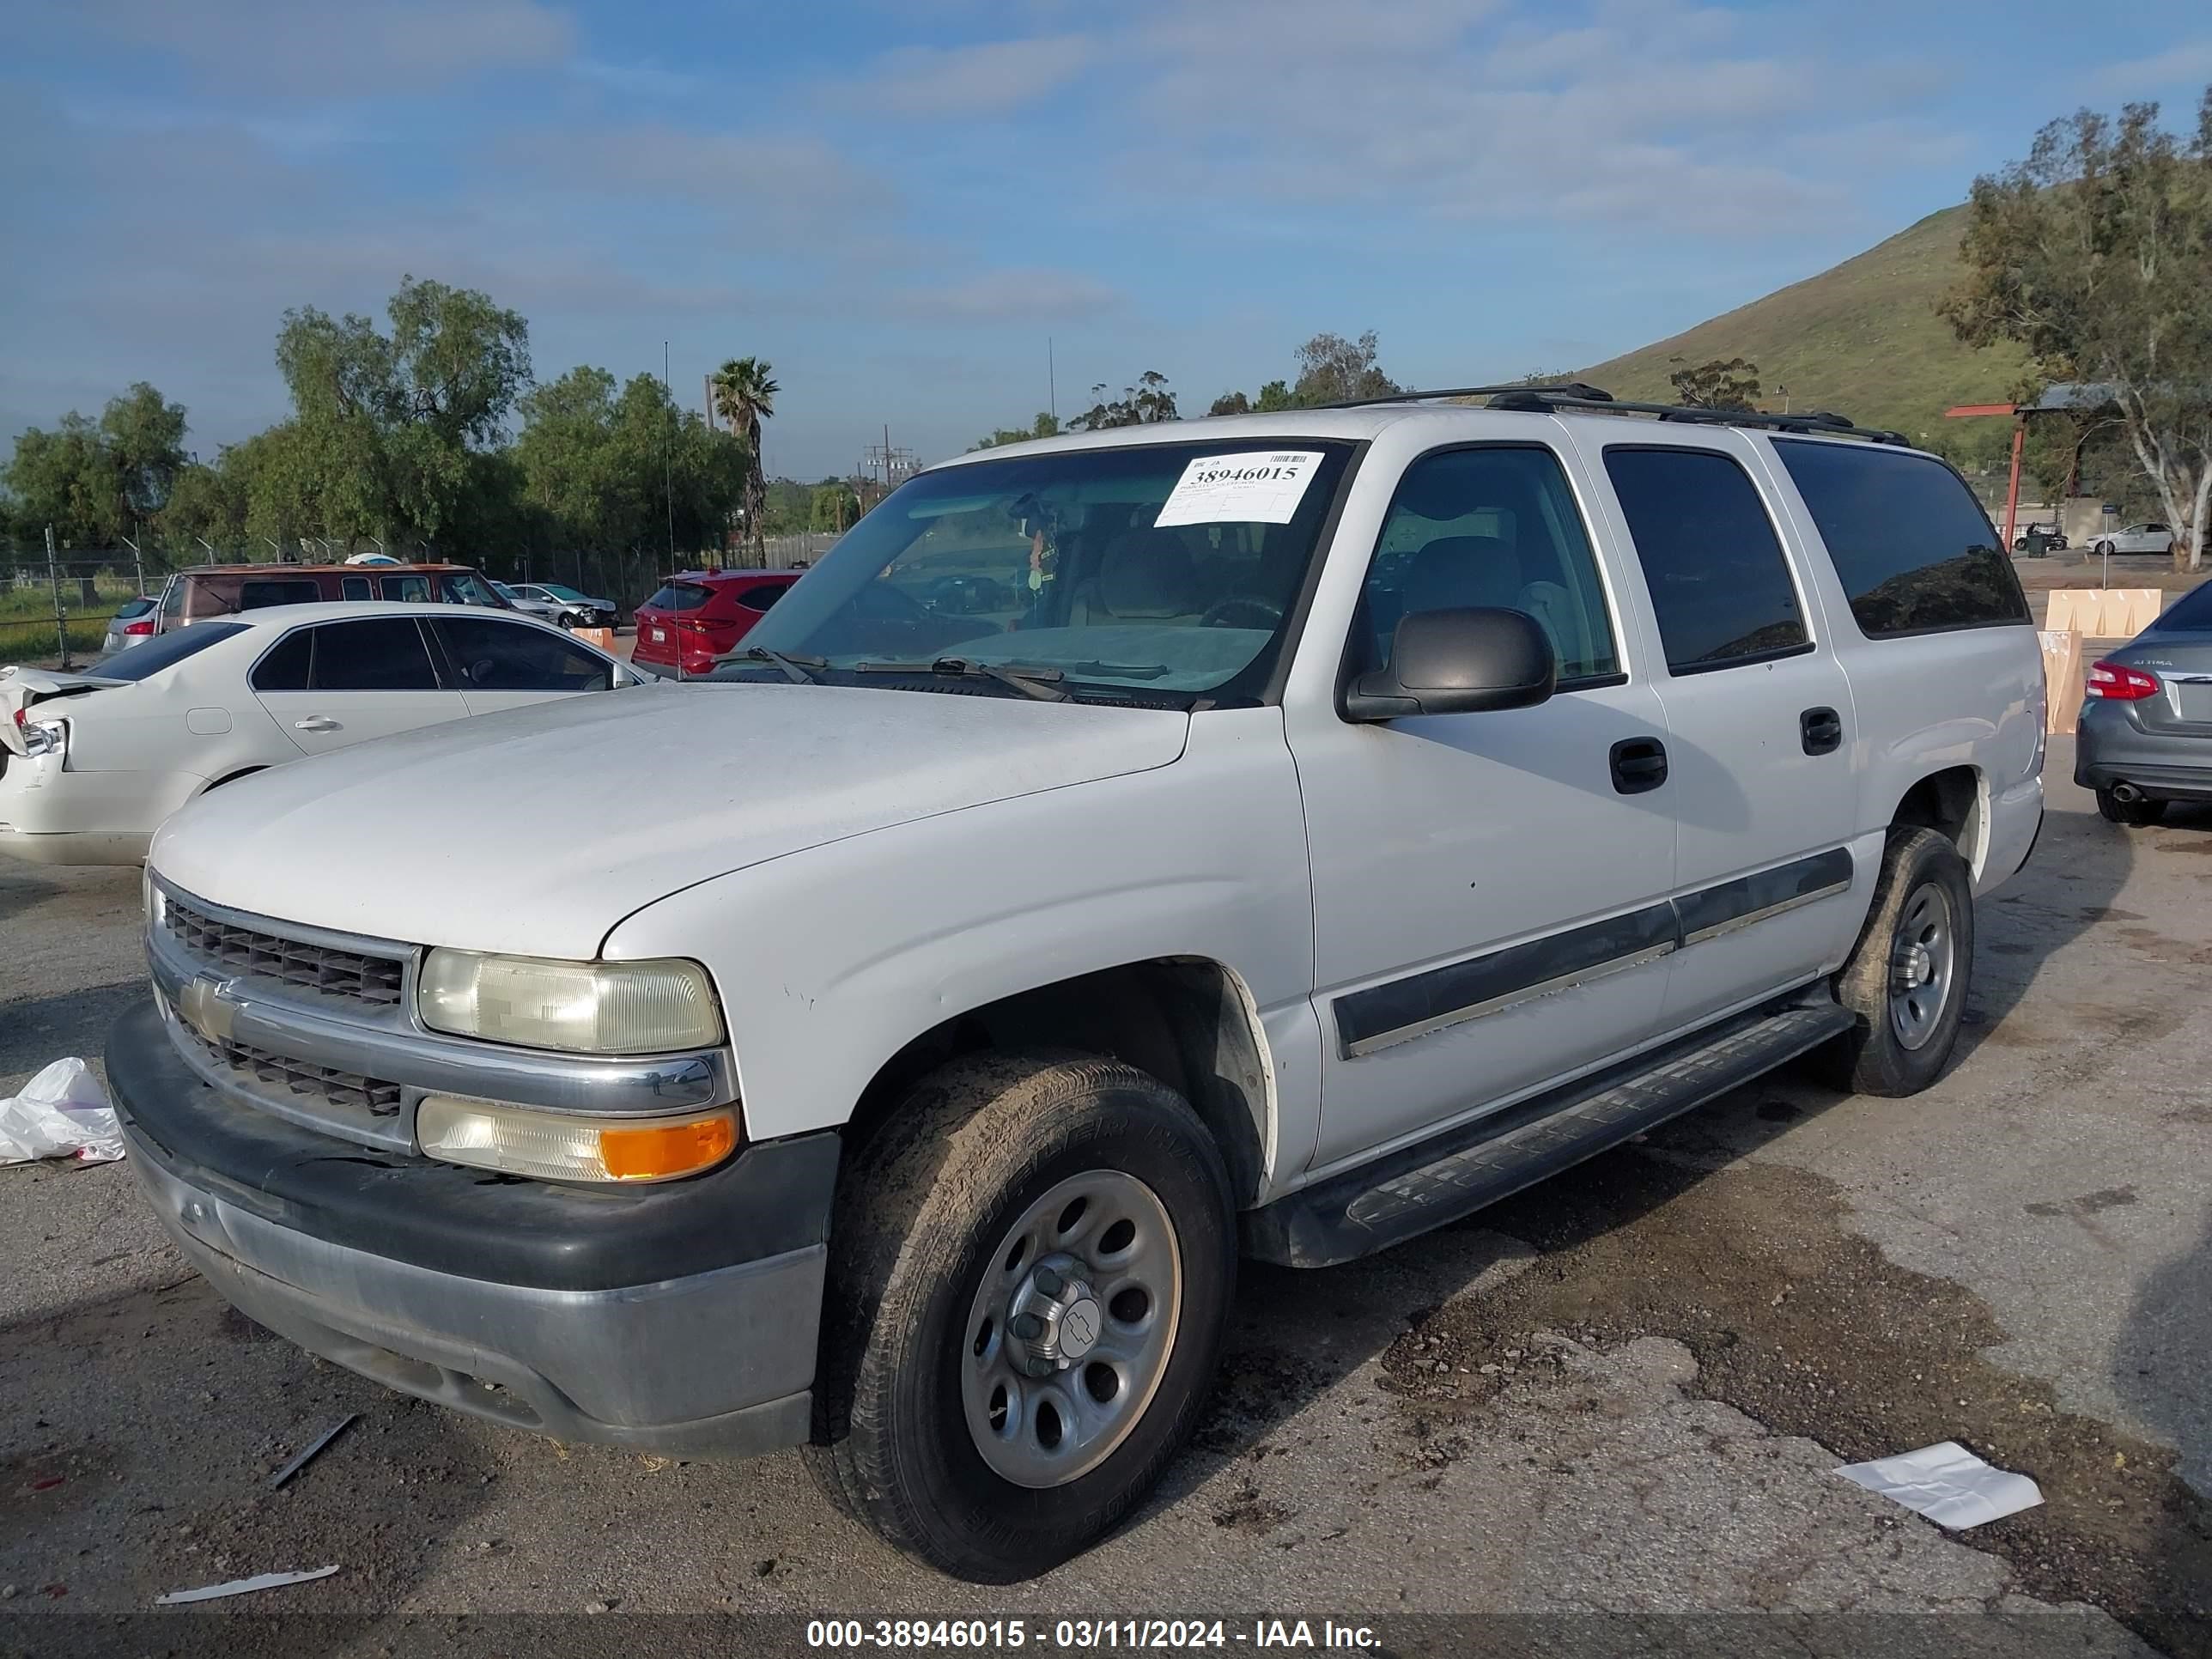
(831, 960)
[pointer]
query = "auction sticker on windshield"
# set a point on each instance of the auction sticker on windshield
(1260, 487)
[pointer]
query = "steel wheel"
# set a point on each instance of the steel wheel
(1070, 1331)
(1923, 965)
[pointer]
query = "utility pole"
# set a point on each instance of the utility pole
(61, 616)
(1051, 384)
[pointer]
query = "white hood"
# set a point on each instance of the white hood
(535, 831)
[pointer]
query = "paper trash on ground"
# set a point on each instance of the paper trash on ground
(242, 1586)
(62, 1112)
(1947, 1484)
(1263, 486)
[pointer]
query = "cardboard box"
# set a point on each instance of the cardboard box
(2064, 667)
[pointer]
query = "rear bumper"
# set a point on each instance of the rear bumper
(680, 1319)
(50, 814)
(2110, 748)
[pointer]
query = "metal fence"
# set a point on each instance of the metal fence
(55, 612)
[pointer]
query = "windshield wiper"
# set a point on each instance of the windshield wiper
(1031, 681)
(799, 671)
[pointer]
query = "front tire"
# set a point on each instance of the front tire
(1031, 1268)
(1908, 976)
(2135, 814)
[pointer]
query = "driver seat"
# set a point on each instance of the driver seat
(1143, 575)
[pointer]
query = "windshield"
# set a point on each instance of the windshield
(139, 662)
(466, 587)
(1155, 573)
(560, 590)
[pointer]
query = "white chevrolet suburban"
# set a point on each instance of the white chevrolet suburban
(1273, 835)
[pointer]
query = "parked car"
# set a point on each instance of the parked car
(2148, 538)
(1245, 893)
(229, 590)
(2145, 735)
(134, 620)
(703, 614)
(90, 764)
(556, 602)
(2054, 539)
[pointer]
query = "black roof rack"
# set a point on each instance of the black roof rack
(1575, 396)
(1576, 389)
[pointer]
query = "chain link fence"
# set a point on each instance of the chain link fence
(54, 613)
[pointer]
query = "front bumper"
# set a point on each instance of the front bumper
(680, 1318)
(2110, 748)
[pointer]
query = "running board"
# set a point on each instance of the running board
(1453, 1174)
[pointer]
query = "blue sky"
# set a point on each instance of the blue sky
(899, 203)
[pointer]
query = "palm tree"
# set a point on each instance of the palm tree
(744, 396)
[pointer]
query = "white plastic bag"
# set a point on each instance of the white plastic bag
(61, 1113)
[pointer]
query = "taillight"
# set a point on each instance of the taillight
(2119, 683)
(141, 628)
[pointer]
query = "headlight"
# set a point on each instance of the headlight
(584, 1007)
(561, 1146)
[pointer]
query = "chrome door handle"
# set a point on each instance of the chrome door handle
(316, 723)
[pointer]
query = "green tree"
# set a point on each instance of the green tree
(97, 480)
(1148, 401)
(1722, 383)
(384, 425)
(1045, 426)
(62, 478)
(1334, 370)
(206, 504)
(144, 434)
(744, 396)
(1274, 398)
(1230, 402)
(835, 506)
(2095, 254)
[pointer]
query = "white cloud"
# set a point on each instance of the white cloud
(2188, 62)
(286, 50)
(756, 181)
(964, 82)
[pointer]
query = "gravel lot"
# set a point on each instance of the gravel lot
(1623, 1393)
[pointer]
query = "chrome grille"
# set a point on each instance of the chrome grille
(320, 968)
(303, 1080)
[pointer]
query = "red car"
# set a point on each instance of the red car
(703, 614)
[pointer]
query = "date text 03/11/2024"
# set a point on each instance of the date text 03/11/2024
(1088, 1635)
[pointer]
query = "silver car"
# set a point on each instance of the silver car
(556, 602)
(2145, 732)
(2135, 539)
(120, 626)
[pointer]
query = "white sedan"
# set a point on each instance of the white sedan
(91, 763)
(2135, 539)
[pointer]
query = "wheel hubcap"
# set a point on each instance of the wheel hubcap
(1070, 1331)
(1922, 962)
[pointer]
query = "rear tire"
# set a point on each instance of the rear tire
(2135, 814)
(959, 1425)
(1908, 976)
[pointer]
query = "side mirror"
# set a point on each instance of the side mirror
(1458, 662)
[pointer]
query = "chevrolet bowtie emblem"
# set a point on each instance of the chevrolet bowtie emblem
(201, 1006)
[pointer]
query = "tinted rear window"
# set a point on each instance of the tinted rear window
(759, 599)
(2191, 611)
(259, 595)
(137, 662)
(681, 596)
(1718, 577)
(1914, 550)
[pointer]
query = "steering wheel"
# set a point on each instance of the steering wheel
(1257, 611)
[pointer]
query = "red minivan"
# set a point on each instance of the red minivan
(704, 613)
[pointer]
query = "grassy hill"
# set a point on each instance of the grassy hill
(1861, 339)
